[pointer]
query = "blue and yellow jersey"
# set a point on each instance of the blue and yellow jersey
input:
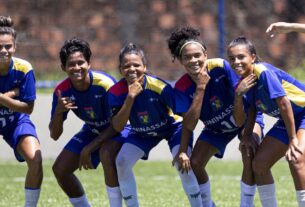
(152, 111)
(91, 105)
(217, 106)
(20, 75)
(273, 83)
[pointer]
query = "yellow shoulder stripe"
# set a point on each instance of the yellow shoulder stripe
(214, 63)
(294, 94)
(258, 69)
(154, 84)
(22, 65)
(102, 80)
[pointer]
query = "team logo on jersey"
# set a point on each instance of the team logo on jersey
(216, 103)
(89, 111)
(143, 116)
(260, 105)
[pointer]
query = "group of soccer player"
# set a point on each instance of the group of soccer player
(124, 120)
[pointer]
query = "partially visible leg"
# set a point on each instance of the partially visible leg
(108, 153)
(247, 183)
(189, 182)
(297, 170)
(269, 152)
(202, 153)
(63, 168)
(126, 159)
(29, 148)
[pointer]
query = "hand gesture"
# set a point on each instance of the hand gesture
(294, 151)
(201, 79)
(85, 159)
(278, 27)
(64, 103)
(250, 143)
(134, 89)
(183, 160)
(246, 84)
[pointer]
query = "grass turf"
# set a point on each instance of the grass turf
(158, 185)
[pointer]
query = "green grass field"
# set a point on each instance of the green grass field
(158, 185)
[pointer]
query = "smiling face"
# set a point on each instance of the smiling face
(7, 48)
(133, 68)
(193, 58)
(241, 60)
(77, 69)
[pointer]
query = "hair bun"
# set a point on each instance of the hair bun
(6, 21)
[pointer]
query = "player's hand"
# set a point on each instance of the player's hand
(294, 151)
(183, 161)
(250, 143)
(201, 78)
(246, 84)
(85, 159)
(278, 27)
(134, 89)
(64, 103)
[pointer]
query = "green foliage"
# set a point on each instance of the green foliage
(158, 185)
(299, 72)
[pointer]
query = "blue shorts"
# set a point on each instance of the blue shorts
(23, 127)
(85, 136)
(279, 131)
(218, 140)
(147, 143)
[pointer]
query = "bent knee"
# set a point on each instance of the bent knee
(107, 156)
(259, 167)
(298, 166)
(196, 163)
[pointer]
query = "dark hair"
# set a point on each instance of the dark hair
(181, 36)
(131, 48)
(241, 40)
(6, 26)
(74, 45)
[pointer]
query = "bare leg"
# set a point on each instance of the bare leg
(63, 168)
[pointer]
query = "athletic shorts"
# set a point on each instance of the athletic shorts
(279, 131)
(218, 140)
(147, 143)
(23, 127)
(85, 136)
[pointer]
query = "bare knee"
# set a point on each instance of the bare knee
(35, 163)
(107, 156)
(259, 167)
(196, 163)
(298, 166)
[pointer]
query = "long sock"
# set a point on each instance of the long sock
(267, 195)
(126, 159)
(205, 191)
(301, 198)
(189, 183)
(31, 197)
(114, 196)
(247, 193)
(80, 201)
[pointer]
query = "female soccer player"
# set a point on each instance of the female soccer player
(147, 102)
(206, 92)
(85, 93)
(281, 96)
(284, 27)
(17, 98)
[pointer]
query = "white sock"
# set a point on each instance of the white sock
(301, 198)
(114, 196)
(80, 201)
(126, 159)
(205, 191)
(189, 183)
(31, 197)
(247, 193)
(267, 195)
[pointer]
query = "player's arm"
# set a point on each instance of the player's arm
(242, 88)
(190, 120)
(56, 124)
(120, 119)
(16, 105)
(284, 27)
(284, 105)
(97, 142)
